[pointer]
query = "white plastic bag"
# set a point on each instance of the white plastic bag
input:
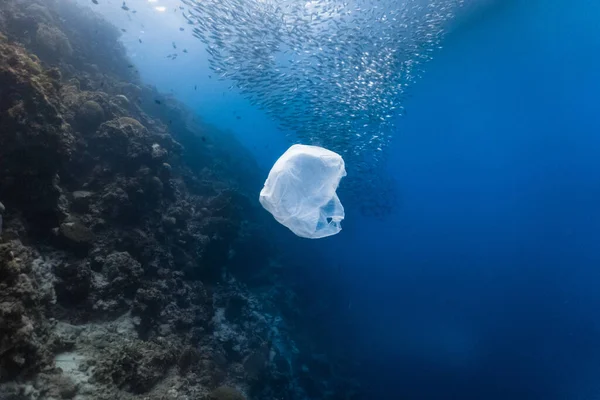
(300, 191)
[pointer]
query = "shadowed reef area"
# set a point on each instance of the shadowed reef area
(135, 262)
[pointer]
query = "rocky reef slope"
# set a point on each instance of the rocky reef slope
(134, 263)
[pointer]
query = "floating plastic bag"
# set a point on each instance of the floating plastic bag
(300, 191)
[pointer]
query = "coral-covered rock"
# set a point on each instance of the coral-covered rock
(35, 140)
(122, 101)
(148, 303)
(116, 284)
(81, 200)
(136, 367)
(90, 115)
(123, 273)
(116, 204)
(55, 386)
(76, 235)
(226, 393)
(124, 141)
(23, 332)
(189, 357)
(52, 42)
(74, 282)
(256, 362)
(39, 13)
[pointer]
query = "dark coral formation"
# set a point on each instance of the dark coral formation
(133, 261)
(24, 330)
(226, 393)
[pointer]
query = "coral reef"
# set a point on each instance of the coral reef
(52, 42)
(24, 330)
(226, 393)
(134, 261)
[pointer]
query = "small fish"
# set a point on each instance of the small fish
(95, 1)
(185, 50)
(204, 138)
(124, 7)
(238, 117)
(170, 121)
(130, 66)
(123, 30)
(181, 29)
(174, 45)
(195, 87)
(158, 102)
(140, 40)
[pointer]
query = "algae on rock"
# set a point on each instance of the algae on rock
(52, 41)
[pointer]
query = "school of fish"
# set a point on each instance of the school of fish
(333, 73)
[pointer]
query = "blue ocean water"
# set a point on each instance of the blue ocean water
(482, 283)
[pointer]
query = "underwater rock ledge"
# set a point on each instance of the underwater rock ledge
(130, 241)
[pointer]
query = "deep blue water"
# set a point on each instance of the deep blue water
(484, 284)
